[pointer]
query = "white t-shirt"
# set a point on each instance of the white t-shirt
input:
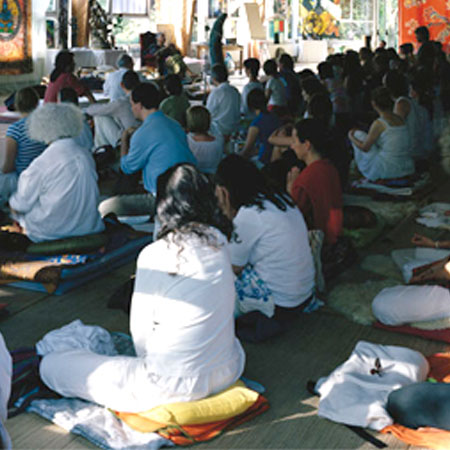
(276, 243)
(278, 92)
(207, 153)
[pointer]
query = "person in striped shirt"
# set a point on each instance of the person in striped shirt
(20, 149)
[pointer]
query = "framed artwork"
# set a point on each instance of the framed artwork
(15, 37)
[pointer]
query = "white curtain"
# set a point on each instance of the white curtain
(129, 6)
(11, 83)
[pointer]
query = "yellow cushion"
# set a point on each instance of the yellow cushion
(224, 405)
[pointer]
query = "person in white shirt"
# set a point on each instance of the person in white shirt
(275, 89)
(112, 87)
(271, 236)
(5, 390)
(181, 318)
(57, 194)
(224, 103)
(113, 118)
(207, 149)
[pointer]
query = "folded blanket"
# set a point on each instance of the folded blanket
(434, 216)
(393, 189)
(48, 270)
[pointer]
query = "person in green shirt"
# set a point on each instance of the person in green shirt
(176, 105)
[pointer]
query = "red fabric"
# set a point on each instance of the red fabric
(434, 14)
(318, 194)
(434, 335)
(63, 81)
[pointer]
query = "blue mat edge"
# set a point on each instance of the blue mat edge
(72, 278)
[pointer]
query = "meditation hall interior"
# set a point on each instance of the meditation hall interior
(224, 224)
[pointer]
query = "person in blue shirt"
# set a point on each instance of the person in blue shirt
(156, 145)
(264, 124)
(20, 150)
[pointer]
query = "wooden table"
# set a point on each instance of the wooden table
(225, 48)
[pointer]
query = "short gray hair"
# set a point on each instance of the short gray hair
(53, 121)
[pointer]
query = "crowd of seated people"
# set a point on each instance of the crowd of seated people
(216, 213)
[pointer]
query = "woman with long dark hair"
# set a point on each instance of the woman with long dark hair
(62, 76)
(270, 252)
(181, 312)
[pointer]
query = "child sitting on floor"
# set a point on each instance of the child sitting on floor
(206, 148)
(275, 90)
(176, 105)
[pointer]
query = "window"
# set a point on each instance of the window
(131, 7)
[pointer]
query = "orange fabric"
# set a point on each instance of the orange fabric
(189, 434)
(434, 14)
(422, 437)
(427, 437)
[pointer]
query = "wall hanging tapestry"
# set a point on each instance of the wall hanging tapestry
(434, 14)
(15, 37)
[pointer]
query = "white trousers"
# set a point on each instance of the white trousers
(107, 131)
(404, 304)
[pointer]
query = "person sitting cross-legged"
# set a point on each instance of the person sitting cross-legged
(113, 118)
(57, 194)
(270, 251)
(224, 103)
(181, 318)
(159, 143)
(383, 152)
(207, 148)
(20, 149)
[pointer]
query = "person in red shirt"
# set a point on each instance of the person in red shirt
(62, 77)
(316, 189)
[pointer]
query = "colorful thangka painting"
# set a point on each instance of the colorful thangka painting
(15, 37)
(320, 18)
(434, 14)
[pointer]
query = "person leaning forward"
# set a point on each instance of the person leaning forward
(157, 144)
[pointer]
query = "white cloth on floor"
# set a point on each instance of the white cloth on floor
(5, 391)
(353, 395)
(407, 259)
(400, 305)
(185, 343)
(77, 335)
(433, 216)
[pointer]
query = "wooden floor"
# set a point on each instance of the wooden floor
(317, 344)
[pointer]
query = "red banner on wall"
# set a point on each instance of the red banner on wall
(434, 14)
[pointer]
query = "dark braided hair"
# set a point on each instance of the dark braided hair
(248, 186)
(186, 203)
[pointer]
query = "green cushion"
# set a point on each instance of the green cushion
(76, 244)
